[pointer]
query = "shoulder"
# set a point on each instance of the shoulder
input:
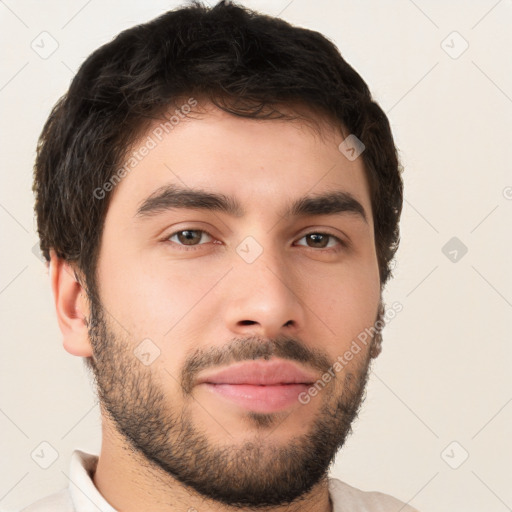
(57, 502)
(346, 498)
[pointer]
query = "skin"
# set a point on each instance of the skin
(208, 299)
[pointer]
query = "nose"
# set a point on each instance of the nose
(263, 299)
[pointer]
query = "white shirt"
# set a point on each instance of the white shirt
(82, 496)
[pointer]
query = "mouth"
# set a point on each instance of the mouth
(259, 386)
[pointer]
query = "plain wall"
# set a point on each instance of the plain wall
(444, 373)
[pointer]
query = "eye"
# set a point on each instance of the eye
(188, 237)
(321, 241)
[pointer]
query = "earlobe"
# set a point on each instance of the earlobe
(71, 307)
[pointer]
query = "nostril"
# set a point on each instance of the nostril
(247, 322)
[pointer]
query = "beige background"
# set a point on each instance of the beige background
(444, 374)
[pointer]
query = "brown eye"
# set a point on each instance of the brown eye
(321, 241)
(188, 236)
(318, 240)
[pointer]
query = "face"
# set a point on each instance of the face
(217, 314)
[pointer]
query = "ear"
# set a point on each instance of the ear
(376, 347)
(71, 305)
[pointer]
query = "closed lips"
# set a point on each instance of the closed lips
(259, 373)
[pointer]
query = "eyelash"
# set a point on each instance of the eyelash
(196, 247)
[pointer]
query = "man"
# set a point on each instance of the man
(218, 198)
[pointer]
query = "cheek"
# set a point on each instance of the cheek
(346, 302)
(153, 301)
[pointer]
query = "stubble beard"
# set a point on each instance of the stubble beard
(258, 473)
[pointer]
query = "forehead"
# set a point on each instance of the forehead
(251, 159)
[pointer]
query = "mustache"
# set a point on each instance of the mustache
(251, 348)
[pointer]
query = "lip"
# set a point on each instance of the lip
(259, 373)
(259, 386)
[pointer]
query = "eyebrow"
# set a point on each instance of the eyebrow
(170, 197)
